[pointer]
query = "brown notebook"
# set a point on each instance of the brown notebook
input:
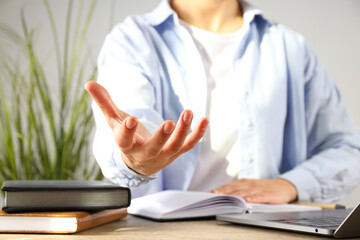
(57, 222)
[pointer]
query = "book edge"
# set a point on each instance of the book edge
(84, 220)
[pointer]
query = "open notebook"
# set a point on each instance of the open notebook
(174, 204)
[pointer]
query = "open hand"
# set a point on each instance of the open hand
(274, 191)
(141, 151)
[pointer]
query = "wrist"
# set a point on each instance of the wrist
(124, 175)
(289, 188)
(136, 168)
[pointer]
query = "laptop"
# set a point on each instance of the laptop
(337, 223)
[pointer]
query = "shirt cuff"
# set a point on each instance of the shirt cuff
(307, 186)
(128, 177)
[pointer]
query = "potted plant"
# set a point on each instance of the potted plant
(46, 134)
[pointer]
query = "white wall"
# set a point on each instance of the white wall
(331, 27)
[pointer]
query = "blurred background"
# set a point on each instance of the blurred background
(331, 28)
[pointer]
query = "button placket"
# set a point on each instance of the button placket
(247, 136)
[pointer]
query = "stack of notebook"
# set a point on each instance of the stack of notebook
(60, 206)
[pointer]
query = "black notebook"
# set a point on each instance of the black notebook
(60, 195)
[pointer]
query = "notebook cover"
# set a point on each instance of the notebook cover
(27, 185)
(61, 187)
(84, 220)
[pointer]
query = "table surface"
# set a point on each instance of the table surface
(134, 228)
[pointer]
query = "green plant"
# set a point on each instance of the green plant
(44, 134)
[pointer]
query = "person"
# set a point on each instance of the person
(210, 95)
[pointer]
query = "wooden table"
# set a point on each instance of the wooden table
(133, 228)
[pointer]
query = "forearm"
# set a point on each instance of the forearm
(327, 176)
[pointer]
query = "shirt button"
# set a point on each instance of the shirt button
(244, 92)
(249, 123)
(249, 159)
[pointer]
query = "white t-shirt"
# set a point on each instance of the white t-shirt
(216, 163)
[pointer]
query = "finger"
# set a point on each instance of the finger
(124, 134)
(158, 140)
(257, 198)
(104, 101)
(247, 194)
(225, 189)
(177, 138)
(237, 188)
(194, 137)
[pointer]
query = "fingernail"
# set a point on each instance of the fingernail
(168, 128)
(130, 123)
(204, 125)
(187, 117)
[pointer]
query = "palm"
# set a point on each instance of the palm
(143, 152)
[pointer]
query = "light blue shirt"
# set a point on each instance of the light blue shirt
(300, 129)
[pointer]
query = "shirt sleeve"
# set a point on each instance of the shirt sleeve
(332, 167)
(120, 71)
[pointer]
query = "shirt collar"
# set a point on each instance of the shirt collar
(250, 12)
(161, 13)
(164, 11)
